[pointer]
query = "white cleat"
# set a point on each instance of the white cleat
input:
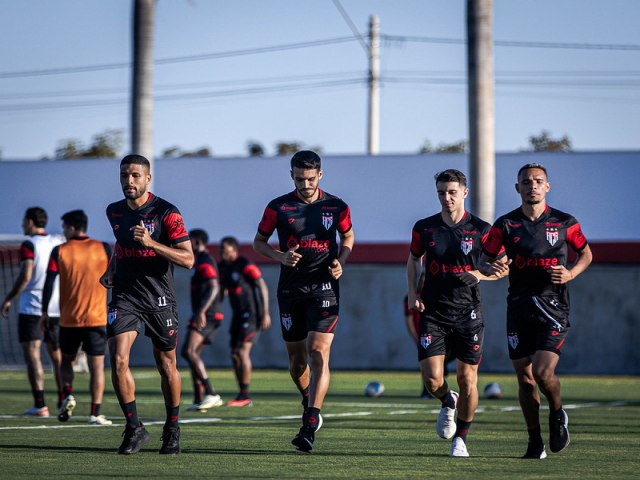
(66, 410)
(210, 401)
(446, 424)
(458, 448)
(99, 420)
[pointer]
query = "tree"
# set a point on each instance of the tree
(284, 148)
(255, 149)
(105, 145)
(544, 143)
(459, 147)
(177, 152)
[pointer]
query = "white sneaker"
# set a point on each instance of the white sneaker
(458, 448)
(37, 412)
(446, 424)
(210, 401)
(99, 420)
(193, 407)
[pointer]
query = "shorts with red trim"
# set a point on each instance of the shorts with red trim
(462, 339)
(303, 314)
(214, 320)
(244, 328)
(161, 327)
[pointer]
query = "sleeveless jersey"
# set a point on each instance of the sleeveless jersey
(38, 248)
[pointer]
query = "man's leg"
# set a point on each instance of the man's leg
(171, 388)
(241, 358)
(467, 405)
(530, 404)
(66, 376)
(319, 348)
(191, 349)
(432, 369)
(35, 373)
(56, 361)
(299, 368)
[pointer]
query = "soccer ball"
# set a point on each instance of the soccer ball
(374, 389)
(492, 391)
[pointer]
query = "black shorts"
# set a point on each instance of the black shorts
(211, 328)
(536, 323)
(462, 340)
(29, 330)
(244, 328)
(301, 315)
(92, 339)
(161, 327)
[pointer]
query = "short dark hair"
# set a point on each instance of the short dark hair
(37, 215)
(76, 219)
(135, 160)
(532, 165)
(307, 160)
(451, 175)
(200, 235)
(233, 241)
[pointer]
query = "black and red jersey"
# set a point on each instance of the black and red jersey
(312, 226)
(533, 247)
(238, 278)
(205, 269)
(449, 252)
(143, 280)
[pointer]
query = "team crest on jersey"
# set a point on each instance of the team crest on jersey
(149, 225)
(552, 235)
(286, 322)
(466, 244)
(513, 340)
(112, 315)
(425, 341)
(327, 220)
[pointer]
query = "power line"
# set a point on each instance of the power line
(352, 26)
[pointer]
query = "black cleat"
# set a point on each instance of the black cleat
(134, 439)
(558, 431)
(170, 441)
(535, 449)
(66, 409)
(303, 441)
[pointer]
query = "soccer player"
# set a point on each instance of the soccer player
(249, 297)
(536, 238)
(204, 322)
(450, 245)
(83, 309)
(150, 240)
(34, 255)
(308, 221)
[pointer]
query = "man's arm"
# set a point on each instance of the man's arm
(210, 294)
(290, 258)
(23, 278)
(560, 274)
(414, 270)
(180, 254)
(264, 295)
(106, 280)
(347, 240)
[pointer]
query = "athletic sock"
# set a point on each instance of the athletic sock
(558, 415)
(173, 414)
(462, 429)
(38, 398)
(244, 390)
(448, 400)
(208, 389)
(66, 391)
(305, 398)
(95, 409)
(535, 434)
(130, 413)
(197, 391)
(312, 418)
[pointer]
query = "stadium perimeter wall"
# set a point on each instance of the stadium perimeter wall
(387, 194)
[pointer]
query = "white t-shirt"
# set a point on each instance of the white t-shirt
(38, 248)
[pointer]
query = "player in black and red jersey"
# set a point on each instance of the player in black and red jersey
(451, 322)
(150, 239)
(248, 294)
(308, 221)
(536, 238)
(204, 322)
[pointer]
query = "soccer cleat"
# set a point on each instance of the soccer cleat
(458, 448)
(446, 424)
(66, 410)
(193, 407)
(303, 441)
(170, 441)
(559, 432)
(535, 449)
(99, 420)
(134, 439)
(210, 401)
(37, 412)
(240, 402)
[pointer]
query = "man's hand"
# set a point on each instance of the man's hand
(141, 234)
(44, 322)
(200, 319)
(468, 278)
(106, 280)
(560, 275)
(335, 269)
(415, 302)
(5, 308)
(266, 322)
(499, 268)
(290, 258)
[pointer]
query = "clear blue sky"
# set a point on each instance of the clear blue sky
(591, 94)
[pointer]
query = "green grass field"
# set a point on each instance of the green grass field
(388, 437)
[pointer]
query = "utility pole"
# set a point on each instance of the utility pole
(142, 80)
(373, 140)
(481, 108)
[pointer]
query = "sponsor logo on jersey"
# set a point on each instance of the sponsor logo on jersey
(513, 340)
(522, 262)
(327, 220)
(552, 235)
(466, 245)
(291, 220)
(425, 341)
(134, 252)
(435, 268)
(286, 321)
(312, 243)
(287, 207)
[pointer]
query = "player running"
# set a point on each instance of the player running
(308, 221)
(536, 238)
(449, 244)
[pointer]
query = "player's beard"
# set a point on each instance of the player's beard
(137, 193)
(307, 192)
